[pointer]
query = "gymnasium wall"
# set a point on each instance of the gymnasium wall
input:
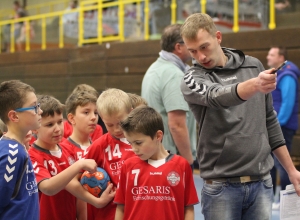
(122, 65)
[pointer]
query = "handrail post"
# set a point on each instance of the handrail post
(121, 21)
(146, 22)
(61, 32)
(12, 37)
(80, 24)
(272, 24)
(0, 39)
(43, 33)
(235, 27)
(203, 6)
(173, 11)
(100, 30)
(27, 31)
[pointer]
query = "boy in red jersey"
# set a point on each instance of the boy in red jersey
(156, 182)
(112, 149)
(56, 170)
(82, 117)
(68, 127)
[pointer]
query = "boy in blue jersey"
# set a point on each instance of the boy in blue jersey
(21, 113)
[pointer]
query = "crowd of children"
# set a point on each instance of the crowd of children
(42, 156)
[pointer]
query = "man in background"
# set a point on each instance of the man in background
(161, 89)
(285, 101)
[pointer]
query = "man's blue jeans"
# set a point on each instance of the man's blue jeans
(237, 201)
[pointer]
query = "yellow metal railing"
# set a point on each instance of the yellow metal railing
(272, 24)
(84, 6)
(98, 5)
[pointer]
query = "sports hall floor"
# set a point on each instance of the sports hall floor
(199, 185)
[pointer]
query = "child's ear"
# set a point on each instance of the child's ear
(12, 116)
(70, 118)
(159, 135)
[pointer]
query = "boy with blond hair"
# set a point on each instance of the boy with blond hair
(56, 170)
(112, 149)
(68, 128)
(169, 191)
(136, 100)
(20, 112)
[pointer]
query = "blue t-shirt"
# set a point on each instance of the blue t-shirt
(25, 205)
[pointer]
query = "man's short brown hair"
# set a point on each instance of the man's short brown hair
(170, 37)
(194, 23)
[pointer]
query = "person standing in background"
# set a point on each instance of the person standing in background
(161, 89)
(285, 102)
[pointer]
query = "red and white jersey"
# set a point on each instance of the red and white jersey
(163, 190)
(110, 154)
(79, 151)
(45, 165)
(68, 129)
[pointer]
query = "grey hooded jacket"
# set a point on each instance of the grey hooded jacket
(236, 136)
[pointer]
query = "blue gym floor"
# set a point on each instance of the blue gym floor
(198, 214)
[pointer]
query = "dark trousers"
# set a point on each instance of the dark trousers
(288, 135)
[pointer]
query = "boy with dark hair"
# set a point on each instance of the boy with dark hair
(155, 181)
(56, 170)
(82, 116)
(18, 189)
(112, 149)
(68, 128)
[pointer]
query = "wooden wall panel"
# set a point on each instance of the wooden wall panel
(88, 67)
(44, 56)
(129, 65)
(46, 70)
(87, 53)
(12, 72)
(135, 49)
(98, 82)
(128, 83)
(8, 59)
(262, 39)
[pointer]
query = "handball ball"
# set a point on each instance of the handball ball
(96, 182)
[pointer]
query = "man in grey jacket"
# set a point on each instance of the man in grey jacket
(229, 94)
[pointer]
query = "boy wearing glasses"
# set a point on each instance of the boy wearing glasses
(18, 189)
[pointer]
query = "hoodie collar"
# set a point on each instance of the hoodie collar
(236, 59)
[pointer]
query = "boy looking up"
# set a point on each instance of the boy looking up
(55, 166)
(112, 149)
(21, 113)
(156, 182)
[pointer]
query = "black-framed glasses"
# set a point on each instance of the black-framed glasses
(35, 107)
(180, 42)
